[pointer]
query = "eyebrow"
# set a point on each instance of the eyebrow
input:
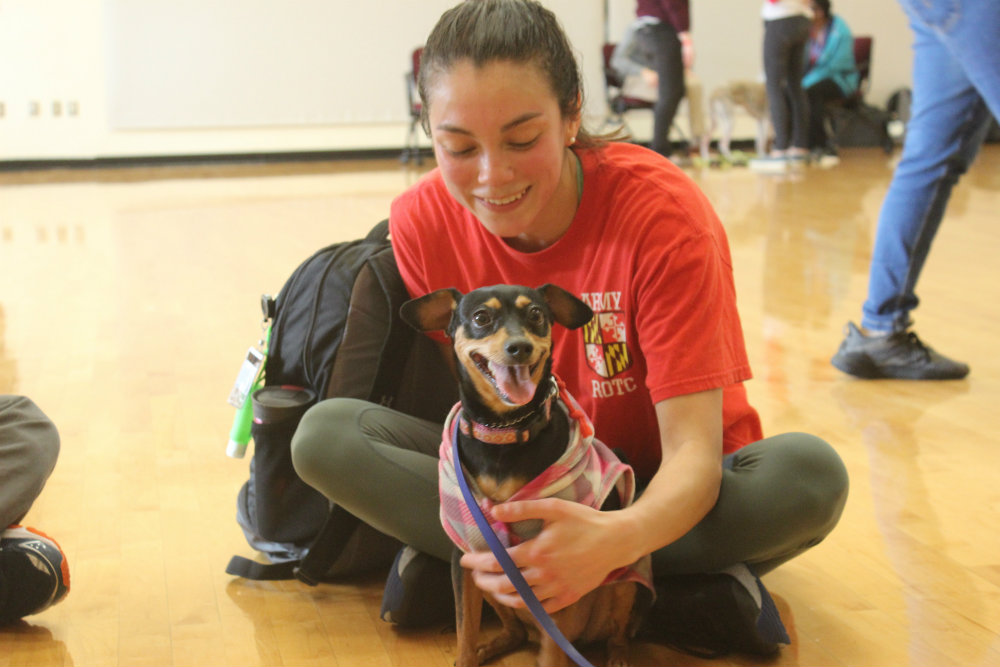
(447, 127)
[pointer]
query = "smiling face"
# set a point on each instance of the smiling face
(501, 144)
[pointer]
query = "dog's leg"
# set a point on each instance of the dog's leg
(623, 622)
(513, 633)
(468, 618)
(713, 123)
(468, 613)
(761, 143)
(549, 653)
(728, 113)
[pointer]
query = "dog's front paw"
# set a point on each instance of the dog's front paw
(509, 639)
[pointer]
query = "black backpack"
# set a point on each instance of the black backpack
(335, 329)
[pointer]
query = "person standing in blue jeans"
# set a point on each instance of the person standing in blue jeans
(956, 90)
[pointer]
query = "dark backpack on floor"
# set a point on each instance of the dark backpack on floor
(335, 329)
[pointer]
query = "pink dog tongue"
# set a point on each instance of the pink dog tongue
(515, 382)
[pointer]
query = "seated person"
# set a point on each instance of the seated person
(34, 573)
(831, 73)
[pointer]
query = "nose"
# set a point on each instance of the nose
(519, 349)
(494, 168)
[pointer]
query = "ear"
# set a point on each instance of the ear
(574, 122)
(431, 312)
(568, 310)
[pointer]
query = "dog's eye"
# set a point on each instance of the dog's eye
(535, 315)
(482, 318)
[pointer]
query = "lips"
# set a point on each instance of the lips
(500, 202)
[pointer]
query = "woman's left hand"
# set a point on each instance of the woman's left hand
(571, 556)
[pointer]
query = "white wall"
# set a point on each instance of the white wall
(84, 79)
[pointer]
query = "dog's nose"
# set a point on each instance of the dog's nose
(519, 349)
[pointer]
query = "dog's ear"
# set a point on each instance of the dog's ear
(431, 312)
(568, 310)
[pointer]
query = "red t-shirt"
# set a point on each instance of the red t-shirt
(647, 253)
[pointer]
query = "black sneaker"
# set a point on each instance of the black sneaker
(712, 615)
(34, 573)
(418, 591)
(900, 355)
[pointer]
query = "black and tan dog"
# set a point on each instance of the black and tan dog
(520, 435)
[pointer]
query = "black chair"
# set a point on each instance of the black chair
(618, 103)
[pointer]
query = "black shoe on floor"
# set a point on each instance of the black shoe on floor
(34, 573)
(900, 355)
(712, 615)
(418, 591)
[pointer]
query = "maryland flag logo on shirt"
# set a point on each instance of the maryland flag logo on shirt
(605, 343)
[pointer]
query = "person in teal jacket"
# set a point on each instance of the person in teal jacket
(831, 73)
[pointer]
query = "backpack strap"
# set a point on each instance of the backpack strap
(398, 344)
(312, 569)
(379, 233)
(327, 547)
(251, 569)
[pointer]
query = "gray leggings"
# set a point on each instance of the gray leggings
(29, 447)
(779, 496)
(784, 64)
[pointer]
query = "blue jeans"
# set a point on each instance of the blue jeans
(956, 86)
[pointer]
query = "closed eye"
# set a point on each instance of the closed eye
(460, 152)
(523, 145)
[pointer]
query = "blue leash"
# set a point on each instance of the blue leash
(534, 606)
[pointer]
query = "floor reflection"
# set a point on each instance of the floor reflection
(889, 417)
(33, 643)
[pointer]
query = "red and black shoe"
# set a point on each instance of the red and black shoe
(34, 573)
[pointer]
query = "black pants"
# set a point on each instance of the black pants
(819, 95)
(784, 64)
(662, 50)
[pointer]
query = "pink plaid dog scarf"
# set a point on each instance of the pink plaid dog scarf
(587, 472)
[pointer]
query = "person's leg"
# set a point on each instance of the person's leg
(779, 497)
(784, 44)
(695, 105)
(797, 100)
(661, 42)
(29, 447)
(956, 86)
(379, 464)
(820, 94)
(34, 571)
(382, 466)
(947, 126)
(970, 30)
(775, 75)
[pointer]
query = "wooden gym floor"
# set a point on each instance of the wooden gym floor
(128, 297)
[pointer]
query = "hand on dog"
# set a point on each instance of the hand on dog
(572, 555)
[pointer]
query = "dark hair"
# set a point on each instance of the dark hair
(824, 5)
(520, 31)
